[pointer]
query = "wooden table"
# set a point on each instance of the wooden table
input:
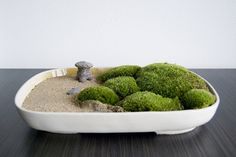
(217, 138)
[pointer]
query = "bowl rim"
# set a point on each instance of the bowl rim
(19, 106)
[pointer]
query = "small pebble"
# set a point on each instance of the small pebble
(96, 106)
(73, 91)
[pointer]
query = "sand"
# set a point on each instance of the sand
(50, 95)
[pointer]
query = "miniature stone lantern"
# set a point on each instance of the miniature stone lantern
(83, 72)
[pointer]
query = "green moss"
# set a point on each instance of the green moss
(123, 85)
(166, 68)
(168, 80)
(124, 70)
(100, 93)
(148, 101)
(198, 98)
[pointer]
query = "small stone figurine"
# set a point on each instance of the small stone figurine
(83, 72)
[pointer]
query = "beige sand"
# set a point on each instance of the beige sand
(50, 95)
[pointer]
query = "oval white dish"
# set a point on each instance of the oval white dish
(167, 122)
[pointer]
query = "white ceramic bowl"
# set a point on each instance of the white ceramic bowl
(167, 122)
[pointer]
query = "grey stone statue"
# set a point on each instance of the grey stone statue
(83, 72)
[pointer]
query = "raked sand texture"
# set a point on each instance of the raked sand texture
(50, 95)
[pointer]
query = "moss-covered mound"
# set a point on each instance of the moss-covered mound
(123, 85)
(168, 80)
(100, 93)
(198, 98)
(163, 86)
(124, 70)
(148, 101)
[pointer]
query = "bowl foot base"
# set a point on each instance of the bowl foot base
(173, 132)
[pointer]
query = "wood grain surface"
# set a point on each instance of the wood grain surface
(215, 139)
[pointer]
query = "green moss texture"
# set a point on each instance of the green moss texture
(123, 85)
(148, 101)
(198, 98)
(99, 93)
(124, 70)
(168, 80)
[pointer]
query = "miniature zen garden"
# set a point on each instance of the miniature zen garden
(126, 88)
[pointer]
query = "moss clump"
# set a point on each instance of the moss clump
(123, 85)
(99, 93)
(198, 98)
(148, 101)
(168, 80)
(124, 70)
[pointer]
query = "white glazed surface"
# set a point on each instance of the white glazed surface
(167, 122)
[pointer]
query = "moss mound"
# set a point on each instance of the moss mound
(123, 85)
(198, 98)
(148, 101)
(162, 87)
(124, 70)
(168, 80)
(99, 93)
